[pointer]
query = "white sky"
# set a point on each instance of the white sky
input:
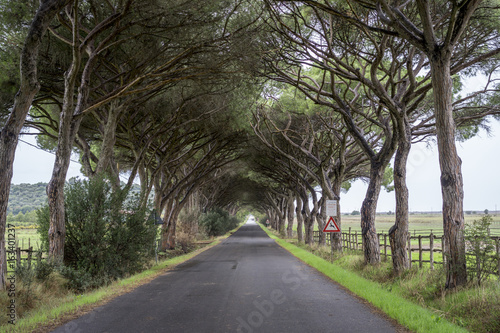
(480, 160)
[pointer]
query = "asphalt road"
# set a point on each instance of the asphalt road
(247, 283)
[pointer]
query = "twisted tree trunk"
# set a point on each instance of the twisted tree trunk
(398, 233)
(9, 134)
(290, 215)
(300, 220)
(371, 245)
(451, 172)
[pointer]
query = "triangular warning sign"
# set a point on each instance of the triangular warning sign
(331, 226)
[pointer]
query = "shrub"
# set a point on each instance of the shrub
(218, 222)
(481, 252)
(43, 221)
(107, 237)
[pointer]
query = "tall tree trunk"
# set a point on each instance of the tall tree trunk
(169, 226)
(55, 188)
(290, 215)
(451, 173)
(274, 222)
(9, 134)
(371, 245)
(308, 222)
(171, 233)
(68, 127)
(282, 216)
(69, 123)
(309, 228)
(321, 218)
(300, 220)
(398, 233)
(108, 138)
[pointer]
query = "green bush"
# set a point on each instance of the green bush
(43, 221)
(107, 237)
(217, 222)
(481, 252)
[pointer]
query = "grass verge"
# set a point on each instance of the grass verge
(408, 314)
(68, 307)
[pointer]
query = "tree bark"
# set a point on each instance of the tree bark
(290, 215)
(9, 134)
(69, 124)
(371, 245)
(398, 233)
(108, 138)
(308, 221)
(68, 128)
(321, 218)
(451, 173)
(300, 221)
(170, 235)
(282, 210)
(166, 241)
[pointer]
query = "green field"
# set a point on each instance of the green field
(26, 237)
(419, 223)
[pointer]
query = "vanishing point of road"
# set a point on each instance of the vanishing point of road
(247, 283)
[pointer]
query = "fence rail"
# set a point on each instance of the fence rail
(417, 245)
(31, 255)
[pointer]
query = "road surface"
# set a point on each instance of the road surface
(247, 283)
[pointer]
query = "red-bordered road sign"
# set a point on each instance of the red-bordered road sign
(331, 226)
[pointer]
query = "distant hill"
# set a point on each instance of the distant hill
(26, 197)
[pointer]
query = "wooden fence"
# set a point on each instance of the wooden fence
(30, 256)
(417, 245)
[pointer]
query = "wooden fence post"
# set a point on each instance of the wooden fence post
(385, 246)
(498, 255)
(378, 239)
(420, 251)
(349, 240)
(431, 245)
(30, 251)
(409, 249)
(356, 236)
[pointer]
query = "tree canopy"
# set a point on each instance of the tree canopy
(274, 105)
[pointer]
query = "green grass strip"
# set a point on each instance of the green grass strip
(74, 302)
(406, 313)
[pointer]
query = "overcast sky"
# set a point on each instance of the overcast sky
(480, 161)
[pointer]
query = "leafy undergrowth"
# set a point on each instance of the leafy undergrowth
(476, 308)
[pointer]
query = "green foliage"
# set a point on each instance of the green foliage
(480, 249)
(106, 236)
(43, 221)
(38, 272)
(218, 222)
(15, 17)
(388, 180)
(355, 212)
